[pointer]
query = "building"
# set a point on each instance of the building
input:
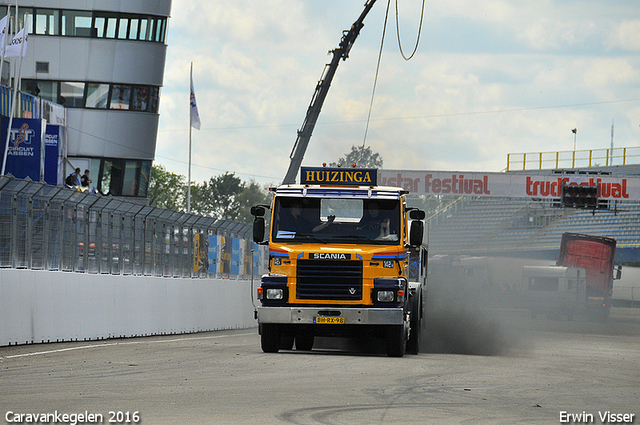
(103, 60)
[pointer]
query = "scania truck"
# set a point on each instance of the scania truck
(346, 259)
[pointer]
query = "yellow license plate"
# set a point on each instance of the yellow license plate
(329, 320)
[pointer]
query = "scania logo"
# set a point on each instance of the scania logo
(329, 256)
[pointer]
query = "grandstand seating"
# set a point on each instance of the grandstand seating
(486, 226)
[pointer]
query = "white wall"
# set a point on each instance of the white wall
(41, 306)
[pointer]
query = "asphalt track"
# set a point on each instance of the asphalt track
(497, 368)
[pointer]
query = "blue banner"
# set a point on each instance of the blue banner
(256, 258)
(235, 256)
(26, 152)
(213, 253)
(53, 154)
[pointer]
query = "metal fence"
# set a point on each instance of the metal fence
(46, 227)
(573, 159)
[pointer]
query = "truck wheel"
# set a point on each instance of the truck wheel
(304, 342)
(270, 338)
(413, 345)
(286, 342)
(396, 341)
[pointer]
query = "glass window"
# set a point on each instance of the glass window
(145, 175)
(338, 219)
(130, 182)
(133, 28)
(143, 28)
(47, 22)
(112, 23)
(73, 94)
(153, 99)
(47, 90)
(29, 86)
(150, 28)
(99, 25)
(76, 23)
(120, 96)
(23, 11)
(140, 100)
(111, 177)
(160, 30)
(123, 28)
(120, 177)
(97, 95)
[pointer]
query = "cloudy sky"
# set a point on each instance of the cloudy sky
(489, 78)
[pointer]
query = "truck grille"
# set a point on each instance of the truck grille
(329, 280)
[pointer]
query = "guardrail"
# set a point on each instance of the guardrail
(29, 106)
(46, 227)
(573, 159)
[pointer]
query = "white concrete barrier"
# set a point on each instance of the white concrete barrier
(43, 306)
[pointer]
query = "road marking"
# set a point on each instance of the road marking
(111, 344)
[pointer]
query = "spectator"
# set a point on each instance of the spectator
(85, 180)
(73, 179)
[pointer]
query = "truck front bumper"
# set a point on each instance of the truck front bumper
(351, 315)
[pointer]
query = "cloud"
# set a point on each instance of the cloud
(489, 78)
(626, 35)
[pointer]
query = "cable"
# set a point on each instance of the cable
(419, 32)
(375, 80)
(219, 169)
(324, 123)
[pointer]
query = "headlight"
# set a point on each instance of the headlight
(386, 296)
(275, 294)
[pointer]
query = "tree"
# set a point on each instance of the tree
(224, 196)
(252, 194)
(166, 190)
(362, 156)
(218, 197)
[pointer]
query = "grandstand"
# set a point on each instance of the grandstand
(530, 227)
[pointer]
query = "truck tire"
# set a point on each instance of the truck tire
(396, 341)
(413, 345)
(304, 342)
(286, 342)
(270, 338)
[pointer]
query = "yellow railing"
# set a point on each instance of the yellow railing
(573, 159)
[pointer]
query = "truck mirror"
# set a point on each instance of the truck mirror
(618, 274)
(257, 211)
(416, 233)
(258, 229)
(417, 215)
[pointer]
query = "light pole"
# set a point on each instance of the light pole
(575, 134)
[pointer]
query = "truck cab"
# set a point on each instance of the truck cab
(346, 259)
(555, 291)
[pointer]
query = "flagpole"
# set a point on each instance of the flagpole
(25, 33)
(190, 125)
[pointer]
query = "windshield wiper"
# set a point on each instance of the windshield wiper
(311, 237)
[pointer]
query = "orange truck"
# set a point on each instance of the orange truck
(346, 259)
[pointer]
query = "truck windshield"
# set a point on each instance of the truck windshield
(337, 220)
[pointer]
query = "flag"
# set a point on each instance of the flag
(3, 29)
(13, 48)
(195, 117)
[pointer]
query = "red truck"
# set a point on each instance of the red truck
(581, 282)
(596, 255)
